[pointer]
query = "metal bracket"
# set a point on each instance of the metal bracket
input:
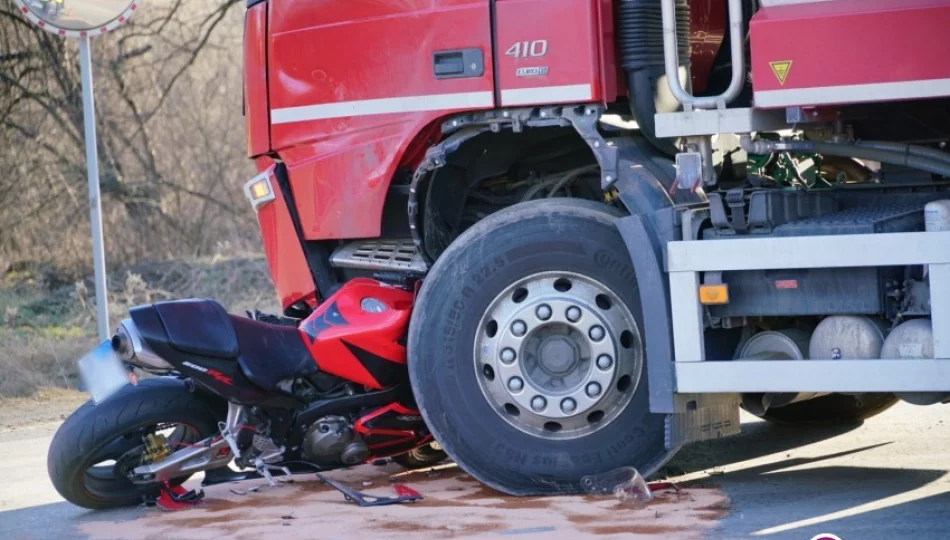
(585, 122)
(405, 494)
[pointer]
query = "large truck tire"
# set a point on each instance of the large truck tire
(98, 444)
(831, 410)
(525, 351)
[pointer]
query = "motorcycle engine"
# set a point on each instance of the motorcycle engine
(332, 438)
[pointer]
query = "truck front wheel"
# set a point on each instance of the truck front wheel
(525, 350)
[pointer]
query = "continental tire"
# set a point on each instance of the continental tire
(500, 440)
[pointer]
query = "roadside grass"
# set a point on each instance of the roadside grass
(48, 319)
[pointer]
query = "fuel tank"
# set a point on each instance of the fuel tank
(359, 333)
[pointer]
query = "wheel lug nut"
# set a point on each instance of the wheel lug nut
(593, 389)
(538, 403)
(573, 313)
(508, 355)
(519, 328)
(597, 333)
(568, 405)
(543, 312)
(515, 384)
(604, 361)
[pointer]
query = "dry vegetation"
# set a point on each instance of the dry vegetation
(47, 324)
(171, 151)
(171, 138)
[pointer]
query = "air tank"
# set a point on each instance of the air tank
(937, 216)
(913, 340)
(847, 337)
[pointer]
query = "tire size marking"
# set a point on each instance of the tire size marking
(488, 271)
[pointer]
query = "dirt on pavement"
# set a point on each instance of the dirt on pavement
(455, 505)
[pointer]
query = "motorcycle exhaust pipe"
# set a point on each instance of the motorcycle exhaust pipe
(132, 348)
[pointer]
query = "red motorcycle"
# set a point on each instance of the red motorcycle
(269, 396)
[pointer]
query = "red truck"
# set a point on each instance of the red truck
(590, 230)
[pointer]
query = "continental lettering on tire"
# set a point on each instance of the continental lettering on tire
(628, 439)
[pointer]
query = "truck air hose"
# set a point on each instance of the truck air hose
(640, 41)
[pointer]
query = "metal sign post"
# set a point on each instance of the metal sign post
(82, 19)
(92, 176)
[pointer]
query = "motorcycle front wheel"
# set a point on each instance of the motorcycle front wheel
(98, 445)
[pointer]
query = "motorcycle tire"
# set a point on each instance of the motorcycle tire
(94, 448)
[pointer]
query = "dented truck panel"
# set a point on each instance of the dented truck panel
(351, 85)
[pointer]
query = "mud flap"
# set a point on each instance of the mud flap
(654, 294)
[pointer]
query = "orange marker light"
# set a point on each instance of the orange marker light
(712, 295)
(260, 189)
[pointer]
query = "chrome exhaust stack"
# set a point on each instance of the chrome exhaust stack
(132, 348)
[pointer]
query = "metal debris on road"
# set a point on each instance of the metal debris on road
(404, 494)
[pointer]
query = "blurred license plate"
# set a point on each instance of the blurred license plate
(102, 372)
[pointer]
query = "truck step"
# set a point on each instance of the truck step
(398, 255)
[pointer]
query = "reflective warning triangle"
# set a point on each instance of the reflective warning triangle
(780, 69)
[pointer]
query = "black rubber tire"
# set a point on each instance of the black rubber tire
(831, 410)
(548, 235)
(91, 427)
(424, 456)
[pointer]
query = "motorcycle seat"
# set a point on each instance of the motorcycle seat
(195, 330)
(198, 326)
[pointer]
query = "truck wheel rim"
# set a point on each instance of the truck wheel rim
(558, 355)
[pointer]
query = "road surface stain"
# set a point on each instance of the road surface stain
(455, 506)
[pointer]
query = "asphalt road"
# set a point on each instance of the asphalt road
(886, 479)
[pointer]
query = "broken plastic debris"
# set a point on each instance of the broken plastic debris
(625, 483)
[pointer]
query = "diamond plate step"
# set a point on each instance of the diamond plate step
(397, 255)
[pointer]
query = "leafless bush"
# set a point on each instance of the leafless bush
(168, 99)
(47, 324)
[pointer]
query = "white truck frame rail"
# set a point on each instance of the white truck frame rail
(686, 260)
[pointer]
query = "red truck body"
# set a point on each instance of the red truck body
(344, 94)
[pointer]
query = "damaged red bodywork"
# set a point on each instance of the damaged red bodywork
(347, 97)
